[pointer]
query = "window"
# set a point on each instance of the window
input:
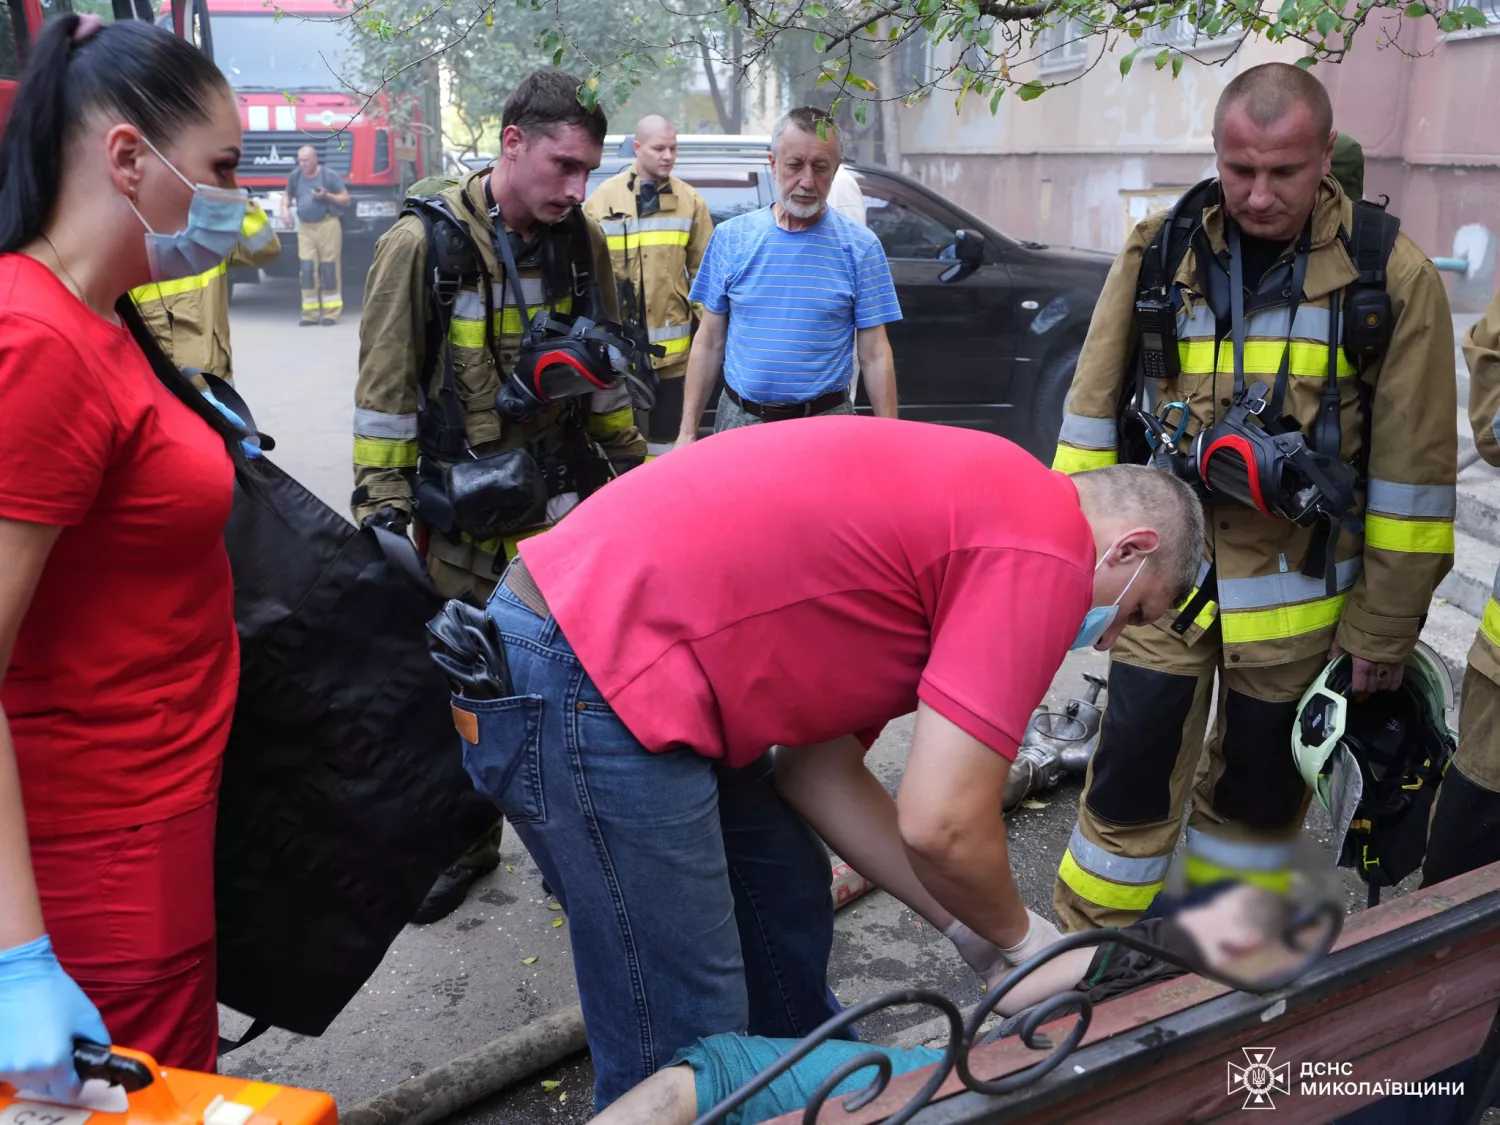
(1490, 8)
(728, 192)
(10, 57)
(1063, 46)
(902, 221)
(104, 9)
(1179, 33)
(260, 52)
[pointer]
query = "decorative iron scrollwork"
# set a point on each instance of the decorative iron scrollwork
(963, 1035)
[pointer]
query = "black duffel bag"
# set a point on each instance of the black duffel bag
(344, 793)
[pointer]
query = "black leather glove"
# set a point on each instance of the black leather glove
(392, 519)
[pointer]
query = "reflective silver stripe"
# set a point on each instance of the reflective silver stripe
(469, 304)
(1095, 433)
(639, 226)
(1117, 868)
(1433, 501)
(396, 427)
(659, 448)
(1282, 589)
(1311, 324)
(1239, 856)
(1202, 574)
(1196, 323)
(609, 400)
(671, 332)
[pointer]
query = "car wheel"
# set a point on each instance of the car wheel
(1048, 402)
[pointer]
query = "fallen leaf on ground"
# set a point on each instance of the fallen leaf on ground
(554, 906)
(530, 960)
(562, 1097)
(550, 1084)
(557, 922)
(1033, 804)
(511, 867)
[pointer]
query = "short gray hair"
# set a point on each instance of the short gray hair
(1158, 500)
(808, 118)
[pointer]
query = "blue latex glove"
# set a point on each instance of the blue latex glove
(41, 1012)
(251, 448)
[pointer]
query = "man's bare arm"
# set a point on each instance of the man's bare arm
(950, 819)
(704, 363)
(877, 367)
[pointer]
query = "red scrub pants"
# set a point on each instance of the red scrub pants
(131, 915)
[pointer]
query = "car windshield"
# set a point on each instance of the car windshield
(727, 191)
(258, 52)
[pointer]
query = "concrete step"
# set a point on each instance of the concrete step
(1477, 512)
(1450, 631)
(1468, 584)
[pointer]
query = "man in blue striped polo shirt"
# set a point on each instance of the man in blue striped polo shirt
(789, 294)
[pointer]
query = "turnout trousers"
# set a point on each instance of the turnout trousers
(1465, 827)
(320, 250)
(1248, 798)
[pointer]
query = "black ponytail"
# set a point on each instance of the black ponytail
(143, 73)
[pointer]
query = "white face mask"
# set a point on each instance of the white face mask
(212, 232)
(1096, 621)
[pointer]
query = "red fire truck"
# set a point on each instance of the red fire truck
(288, 66)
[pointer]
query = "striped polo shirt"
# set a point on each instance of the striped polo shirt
(794, 301)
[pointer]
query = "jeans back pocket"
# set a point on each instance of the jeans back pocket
(502, 752)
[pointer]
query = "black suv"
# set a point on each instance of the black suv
(990, 326)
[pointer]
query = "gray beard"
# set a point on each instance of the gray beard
(799, 210)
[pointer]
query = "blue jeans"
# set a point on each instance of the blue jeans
(698, 901)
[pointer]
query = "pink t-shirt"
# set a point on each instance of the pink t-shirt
(794, 582)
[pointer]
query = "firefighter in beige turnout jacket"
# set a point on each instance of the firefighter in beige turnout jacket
(190, 317)
(549, 144)
(1262, 628)
(658, 228)
(1465, 831)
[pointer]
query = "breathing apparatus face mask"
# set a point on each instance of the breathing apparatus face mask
(561, 357)
(215, 219)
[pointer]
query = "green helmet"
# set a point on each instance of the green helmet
(1349, 165)
(1375, 761)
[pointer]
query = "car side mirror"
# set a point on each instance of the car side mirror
(966, 252)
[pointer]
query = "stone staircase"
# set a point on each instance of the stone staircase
(1455, 613)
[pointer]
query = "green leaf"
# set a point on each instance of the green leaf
(861, 110)
(820, 42)
(1163, 57)
(1306, 62)
(530, 960)
(1326, 22)
(291, 98)
(1128, 61)
(549, 1085)
(1031, 91)
(1176, 65)
(995, 100)
(558, 922)
(817, 12)
(1415, 11)
(861, 83)
(1473, 17)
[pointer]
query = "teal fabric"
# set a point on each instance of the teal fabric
(723, 1063)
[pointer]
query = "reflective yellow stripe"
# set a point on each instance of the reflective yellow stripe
(382, 453)
(1244, 626)
(1490, 624)
(1070, 459)
(1262, 357)
(603, 425)
(1116, 896)
(1205, 616)
(496, 545)
(1201, 872)
(1417, 537)
(647, 238)
(466, 333)
(672, 347)
(159, 289)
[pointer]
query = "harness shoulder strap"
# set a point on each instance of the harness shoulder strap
(1170, 244)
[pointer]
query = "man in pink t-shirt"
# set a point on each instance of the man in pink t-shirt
(796, 585)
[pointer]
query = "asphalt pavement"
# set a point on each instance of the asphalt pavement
(446, 989)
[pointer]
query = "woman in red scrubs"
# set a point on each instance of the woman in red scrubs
(117, 637)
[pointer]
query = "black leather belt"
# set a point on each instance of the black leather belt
(781, 411)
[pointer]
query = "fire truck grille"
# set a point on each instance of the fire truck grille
(271, 154)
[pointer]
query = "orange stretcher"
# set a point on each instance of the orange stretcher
(160, 1095)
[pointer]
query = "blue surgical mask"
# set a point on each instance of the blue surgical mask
(212, 232)
(1096, 621)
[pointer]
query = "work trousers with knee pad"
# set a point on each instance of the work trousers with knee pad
(1248, 798)
(1465, 827)
(320, 249)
